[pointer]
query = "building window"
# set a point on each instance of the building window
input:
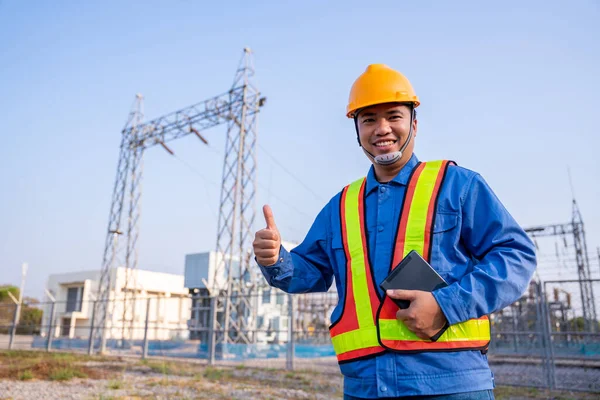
(266, 296)
(74, 298)
(280, 299)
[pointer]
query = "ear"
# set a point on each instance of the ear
(415, 127)
(356, 127)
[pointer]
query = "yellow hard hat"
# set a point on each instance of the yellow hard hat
(380, 84)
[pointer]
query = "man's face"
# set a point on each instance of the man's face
(383, 128)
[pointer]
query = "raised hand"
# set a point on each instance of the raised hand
(267, 241)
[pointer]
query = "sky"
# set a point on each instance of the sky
(508, 89)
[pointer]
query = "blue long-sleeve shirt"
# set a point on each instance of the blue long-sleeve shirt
(478, 248)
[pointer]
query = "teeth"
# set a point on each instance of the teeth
(383, 144)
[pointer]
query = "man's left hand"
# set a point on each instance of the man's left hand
(424, 316)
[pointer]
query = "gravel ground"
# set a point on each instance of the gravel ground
(567, 378)
(155, 386)
(160, 379)
(157, 379)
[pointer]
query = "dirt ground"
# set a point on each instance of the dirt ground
(49, 376)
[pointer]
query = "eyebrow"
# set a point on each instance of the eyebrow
(396, 111)
(391, 112)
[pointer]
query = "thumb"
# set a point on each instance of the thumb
(402, 294)
(269, 219)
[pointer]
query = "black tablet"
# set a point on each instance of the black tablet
(413, 273)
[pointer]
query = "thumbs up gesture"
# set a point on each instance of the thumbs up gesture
(267, 241)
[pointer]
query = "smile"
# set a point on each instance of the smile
(384, 144)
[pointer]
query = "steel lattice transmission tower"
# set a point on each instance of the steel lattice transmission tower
(576, 229)
(236, 216)
(238, 108)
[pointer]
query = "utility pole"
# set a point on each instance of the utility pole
(18, 302)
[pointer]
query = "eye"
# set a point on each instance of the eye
(367, 120)
(395, 117)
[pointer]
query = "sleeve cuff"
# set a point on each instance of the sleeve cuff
(279, 271)
(450, 303)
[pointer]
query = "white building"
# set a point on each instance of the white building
(75, 292)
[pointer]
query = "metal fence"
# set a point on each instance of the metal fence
(550, 338)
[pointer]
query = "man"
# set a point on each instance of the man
(449, 215)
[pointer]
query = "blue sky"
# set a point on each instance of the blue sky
(510, 90)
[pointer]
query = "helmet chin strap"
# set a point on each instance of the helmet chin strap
(392, 157)
(386, 159)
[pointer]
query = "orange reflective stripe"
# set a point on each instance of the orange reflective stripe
(347, 321)
(360, 353)
(356, 327)
(417, 346)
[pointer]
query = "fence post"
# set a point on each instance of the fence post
(18, 302)
(91, 339)
(548, 359)
(550, 343)
(51, 326)
(291, 341)
(211, 330)
(515, 329)
(104, 323)
(145, 352)
(13, 329)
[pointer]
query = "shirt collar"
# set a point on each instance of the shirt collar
(400, 179)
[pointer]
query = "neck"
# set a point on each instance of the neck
(385, 173)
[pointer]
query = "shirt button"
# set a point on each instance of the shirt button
(380, 228)
(383, 388)
(382, 189)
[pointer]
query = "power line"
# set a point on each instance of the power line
(305, 186)
(287, 171)
(212, 209)
(284, 202)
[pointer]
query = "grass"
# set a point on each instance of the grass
(24, 356)
(170, 368)
(161, 368)
(216, 374)
(66, 373)
(160, 382)
(27, 365)
(116, 384)
(25, 375)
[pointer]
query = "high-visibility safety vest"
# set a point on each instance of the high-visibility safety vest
(368, 324)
